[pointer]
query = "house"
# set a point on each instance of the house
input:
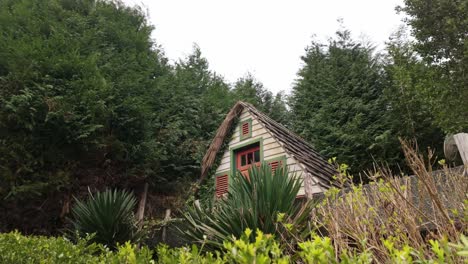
(248, 137)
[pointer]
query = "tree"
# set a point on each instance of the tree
(74, 76)
(188, 107)
(252, 91)
(88, 98)
(408, 115)
(440, 30)
(337, 103)
(278, 110)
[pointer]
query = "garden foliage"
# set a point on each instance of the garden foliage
(16, 248)
(354, 103)
(421, 219)
(439, 29)
(252, 247)
(84, 86)
(88, 98)
(108, 216)
(265, 201)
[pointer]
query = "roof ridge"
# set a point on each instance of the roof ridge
(281, 125)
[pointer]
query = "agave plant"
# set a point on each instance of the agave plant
(260, 202)
(108, 215)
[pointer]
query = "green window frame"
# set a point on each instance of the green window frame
(233, 150)
(247, 135)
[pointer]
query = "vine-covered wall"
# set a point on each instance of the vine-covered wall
(206, 191)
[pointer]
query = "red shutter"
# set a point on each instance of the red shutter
(245, 129)
(275, 164)
(222, 185)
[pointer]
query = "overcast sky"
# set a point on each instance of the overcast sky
(265, 38)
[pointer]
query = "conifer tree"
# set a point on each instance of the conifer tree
(337, 102)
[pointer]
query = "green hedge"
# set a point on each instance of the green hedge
(19, 249)
(16, 248)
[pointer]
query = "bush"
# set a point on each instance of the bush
(263, 248)
(257, 203)
(109, 216)
(252, 247)
(19, 249)
(394, 216)
(249, 248)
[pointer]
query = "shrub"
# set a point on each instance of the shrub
(19, 249)
(251, 247)
(255, 203)
(15, 248)
(263, 248)
(397, 217)
(108, 215)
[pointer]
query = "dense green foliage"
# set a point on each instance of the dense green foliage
(88, 98)
(408, 115)
(19, 249)
(440, 28)
(74, 79)
(337, 102)
(256, 203)
(262, 248)
(108, 216)
(106, 99)
(248, 89)
(354, 104)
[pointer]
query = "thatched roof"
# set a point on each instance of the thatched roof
(313, 163)
(219, 138)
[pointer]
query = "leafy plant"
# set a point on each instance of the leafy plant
(251, 247)
(266, 201)
(462, 247)
(108, 215)
(263, 249)
(256, 247)
(20, 249)
(397, 219)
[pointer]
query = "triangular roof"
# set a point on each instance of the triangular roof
(313, 163)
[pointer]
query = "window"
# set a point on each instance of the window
(274, 165)
(277, 163)
(222, 185)
(247, 157)
(245, 129)
(240, 160)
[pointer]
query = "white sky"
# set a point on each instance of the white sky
(263, 37)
